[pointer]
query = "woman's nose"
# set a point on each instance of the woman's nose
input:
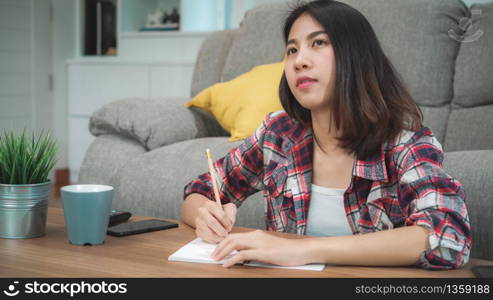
(302, 60)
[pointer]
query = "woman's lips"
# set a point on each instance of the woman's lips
(306, 84)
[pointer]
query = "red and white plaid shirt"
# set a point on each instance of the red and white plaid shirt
(404, 184)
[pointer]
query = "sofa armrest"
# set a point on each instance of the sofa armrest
(153, 122)
(474, 169)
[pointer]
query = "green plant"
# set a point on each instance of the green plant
(25, 160)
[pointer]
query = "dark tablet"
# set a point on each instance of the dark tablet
(140, 227)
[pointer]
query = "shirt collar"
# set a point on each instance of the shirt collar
(372, 168)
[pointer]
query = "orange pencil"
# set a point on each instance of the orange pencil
(214, 181)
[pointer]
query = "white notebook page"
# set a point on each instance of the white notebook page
(199, 251)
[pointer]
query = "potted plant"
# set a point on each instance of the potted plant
(25, 163)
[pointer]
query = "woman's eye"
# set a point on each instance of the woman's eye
(290, 51)
(319, 42)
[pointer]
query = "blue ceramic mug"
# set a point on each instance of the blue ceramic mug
(87, 208)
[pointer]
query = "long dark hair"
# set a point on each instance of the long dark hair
(370, 104)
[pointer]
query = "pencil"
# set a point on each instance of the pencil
(214, 181)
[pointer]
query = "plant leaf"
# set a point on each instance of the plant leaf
(24, 159)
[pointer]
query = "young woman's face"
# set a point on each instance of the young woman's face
(310, 63)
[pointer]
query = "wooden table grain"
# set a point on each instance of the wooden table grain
(145, 255)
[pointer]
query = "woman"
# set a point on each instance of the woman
(348, 162)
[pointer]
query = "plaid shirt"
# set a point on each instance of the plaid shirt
(404, 184)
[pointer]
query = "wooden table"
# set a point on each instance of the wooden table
(145, 255)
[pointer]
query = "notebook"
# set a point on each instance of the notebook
(199, 251)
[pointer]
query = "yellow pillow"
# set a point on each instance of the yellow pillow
(241, 104)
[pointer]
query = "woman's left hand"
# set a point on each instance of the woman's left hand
(263, 247)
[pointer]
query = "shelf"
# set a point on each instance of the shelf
(131, 16)
(134, 13)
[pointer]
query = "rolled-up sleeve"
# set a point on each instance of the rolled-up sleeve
(239, 172)
(434, 200)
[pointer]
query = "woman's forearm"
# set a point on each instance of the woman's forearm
(189, 209)
(400, 246)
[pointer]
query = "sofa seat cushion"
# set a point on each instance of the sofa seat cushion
(152, 183)
(474, 169)
(436, 119)
(106, 155)
(473, 71)
(470, 128)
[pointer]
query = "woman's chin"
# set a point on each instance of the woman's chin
(314, 105)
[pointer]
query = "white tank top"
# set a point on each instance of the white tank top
(326, 214)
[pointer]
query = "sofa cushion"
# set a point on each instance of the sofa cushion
(470, 129)
(211, 59)
(473, 85)
(241, 104)
(436, 119)
(259, 40)
(106, 155)
(474, 169)
(413, 34)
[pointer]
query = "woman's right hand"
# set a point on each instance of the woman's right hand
(213, 224)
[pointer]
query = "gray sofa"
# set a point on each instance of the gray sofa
(149, 149)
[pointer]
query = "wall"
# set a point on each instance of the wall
(63, 28)
(41, 54)
(25, 65)
(16, 103)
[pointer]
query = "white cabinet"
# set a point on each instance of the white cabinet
(170, 80)
(93, 84)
